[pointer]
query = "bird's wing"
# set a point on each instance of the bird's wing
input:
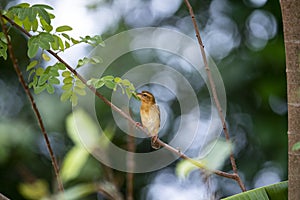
(157, 110)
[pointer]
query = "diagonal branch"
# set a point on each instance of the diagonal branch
(33, 104)
(126, 116)
(2, 197)
(214, 92)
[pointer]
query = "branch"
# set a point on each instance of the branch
(2, 197)
(31, 99)
(126, 116)
(215, 96)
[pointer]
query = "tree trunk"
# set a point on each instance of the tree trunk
(291, 26)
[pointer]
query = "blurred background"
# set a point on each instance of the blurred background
(245, 40)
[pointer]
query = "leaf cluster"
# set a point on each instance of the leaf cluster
(113, 83)
(30, 17)
(36, 20)
(72, 87)
(44, 78)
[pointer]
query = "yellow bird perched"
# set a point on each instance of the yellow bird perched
(150, 116)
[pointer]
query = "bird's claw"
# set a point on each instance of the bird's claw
(138, 124)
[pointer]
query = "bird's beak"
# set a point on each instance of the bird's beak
(139, 95)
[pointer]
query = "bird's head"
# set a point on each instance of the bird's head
(146, 97)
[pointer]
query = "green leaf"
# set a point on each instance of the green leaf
(67, 86)
(44, 44)
(66, 74)
(296, 146)
(3, 38)
(55, 43)
(110, 84)
(95, 60)
(47, 70)
(43, 78)
(37, 189)
(92, 81)
(79, 91)
(44, 40)
(108, 78)
(117, 79)
(35, 80)
(68, 80)
(54, 71)
(39, 89)
(77, 192)
(79, 83)
(27, 24)
(75, 41)
(43, 14)
(66, 36)
(30, 74)
(31, 84)
(32, 47)
(32, 12)
(51, 16)
(128, 92)
(61, 66)
(35, 25)
(126, 82)
(31, 65)
(61, 44)
(86, 60)
(18, 21)
(47, 27)
(23, 13)
(94, 41)
(63, 28)
(46, 57)
(66, 95)
(99, 84)
(43, 6)
(67, 45)
(54, 80)
(39, 71)
(3, 50)
(21, 5)
(83, 61)
(50, 89)
(73, 162)
(277, 191)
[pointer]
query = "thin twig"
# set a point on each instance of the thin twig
(215, 96)
(123, 114)
(33, 104)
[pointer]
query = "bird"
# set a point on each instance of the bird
(150, 116)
